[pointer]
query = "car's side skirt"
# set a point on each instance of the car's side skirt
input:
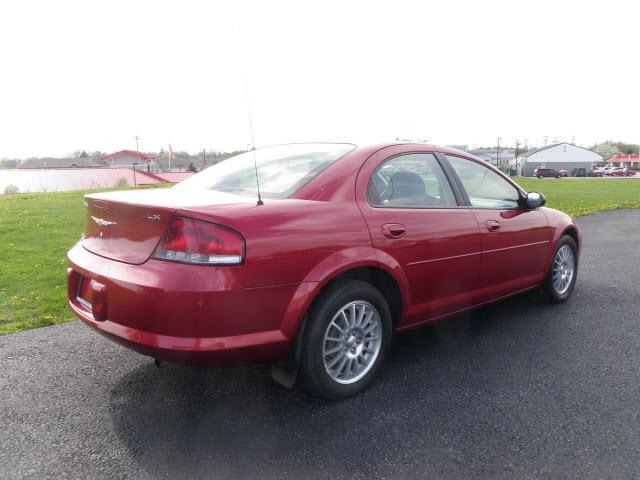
(420, 323)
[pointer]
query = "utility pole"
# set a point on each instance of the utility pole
(134, 163)
(516, 156)
(204, 159)
(498, 153)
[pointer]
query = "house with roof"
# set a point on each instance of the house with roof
(129, 158)
(559, 156)
(630, 161)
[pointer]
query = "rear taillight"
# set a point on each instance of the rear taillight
(193, 241)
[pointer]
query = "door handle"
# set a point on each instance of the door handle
(493, 225)
(393, 230)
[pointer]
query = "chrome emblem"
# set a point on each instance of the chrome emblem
(102, 222)
(153, 217)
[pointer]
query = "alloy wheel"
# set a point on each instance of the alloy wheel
(352, 342)
(564, 266)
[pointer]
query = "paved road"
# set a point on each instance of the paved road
(517, 390)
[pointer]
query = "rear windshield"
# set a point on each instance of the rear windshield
(282, 169)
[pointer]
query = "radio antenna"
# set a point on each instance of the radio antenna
(253, 146)
(242, 42)
(253, 143)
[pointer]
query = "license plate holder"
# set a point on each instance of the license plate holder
(83, 297)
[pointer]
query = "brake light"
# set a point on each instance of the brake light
(194, 241)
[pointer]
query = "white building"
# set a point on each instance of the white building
(559, 156)
(504, 157)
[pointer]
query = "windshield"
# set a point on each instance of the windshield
(282, 169)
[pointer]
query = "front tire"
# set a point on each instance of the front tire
(561, 279)
(346, 340)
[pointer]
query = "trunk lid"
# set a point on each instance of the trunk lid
(127, 226)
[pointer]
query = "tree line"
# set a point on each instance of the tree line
(610, 148)
(181, 159)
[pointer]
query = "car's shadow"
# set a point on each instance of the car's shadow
(425, 405)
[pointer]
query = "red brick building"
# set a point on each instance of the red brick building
(629, 161)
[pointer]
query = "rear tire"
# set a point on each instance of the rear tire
(356, 315)
(563, 272)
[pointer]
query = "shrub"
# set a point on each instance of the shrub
(122, 182)
(9, 189)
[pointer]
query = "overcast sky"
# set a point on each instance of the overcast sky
(91, 75)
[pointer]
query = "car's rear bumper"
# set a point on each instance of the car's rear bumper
(216, 352)
(183, 313)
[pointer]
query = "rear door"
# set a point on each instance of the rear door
(414, 216)
(515, 240)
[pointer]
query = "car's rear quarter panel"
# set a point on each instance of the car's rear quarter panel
(286, 239)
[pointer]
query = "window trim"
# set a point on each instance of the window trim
(458, 198)
(521, 192)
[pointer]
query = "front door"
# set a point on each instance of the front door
(414, 217)
(515, 240)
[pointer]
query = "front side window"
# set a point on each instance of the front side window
(282, 169)
(414, 180)
(485, 188)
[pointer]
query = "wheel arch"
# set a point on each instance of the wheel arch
(365, 263)
(382, 276)
(572, 231)
(377, 277)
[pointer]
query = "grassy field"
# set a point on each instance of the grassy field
(36, 230)
(582, 196)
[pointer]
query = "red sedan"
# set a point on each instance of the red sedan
(620, 172)
(345, 246)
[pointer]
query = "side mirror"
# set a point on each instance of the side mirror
(534, 200)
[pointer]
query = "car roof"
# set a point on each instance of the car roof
(330, 183)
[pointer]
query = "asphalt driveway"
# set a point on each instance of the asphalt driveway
(516, 390)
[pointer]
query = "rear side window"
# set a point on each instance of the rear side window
(485, 188)
(414, 180)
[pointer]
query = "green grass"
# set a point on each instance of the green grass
(36, 230)
(583, 196)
